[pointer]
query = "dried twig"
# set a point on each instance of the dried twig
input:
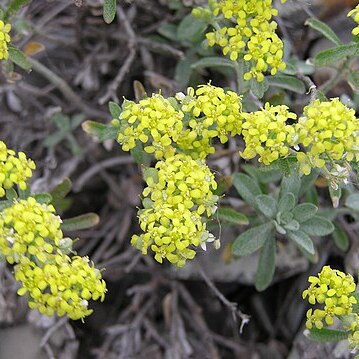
(236, 313)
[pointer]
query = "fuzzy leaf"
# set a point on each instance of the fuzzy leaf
(287, 83)
(14, 7)
(267, 205)
(212, 61)
(62, 189)
(340, 238)
(317, 226)
(324, 29)
(286, 203)
(45, 198)
(290, 184)
(252, 240)
(109, 10)
(191, 29)
(19, 58)
(115, 109)
(302, 240)
(100, 131)
(352, 201)
(326, 335)
(304, 211)
(247, 188)
(266, 264)
(83, 221)
(335, 55)
(231, 216)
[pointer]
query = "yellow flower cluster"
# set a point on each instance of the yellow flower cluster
(29, 228)
(14, 169)
(154, 122)
(266, 133)
(328, 131)
(332, 288)
(31, 238)
(187, 124)
(213, 113)
(4, 40)
(179, 193)
(252, 35)
(63, 286)
(355, 14)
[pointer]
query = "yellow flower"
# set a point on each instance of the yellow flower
(213, 112)
(355, 14)
(329, 132)
(251, 35)
(63, 287)
(179, 193)
(14, 168)
(29, 229)
(154, 122)
(266, 133)
(4, 40)
(333, 289)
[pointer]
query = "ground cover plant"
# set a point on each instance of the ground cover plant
(239, 186)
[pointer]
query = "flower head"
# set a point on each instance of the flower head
(29, 229)
(329, 132)
(14, 168)
(62, 287)
(266, 133)
(179, 193)
(332, 288)
(4, 40)
(354, 13)
(251, 35)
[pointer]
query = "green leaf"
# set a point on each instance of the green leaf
(5, 204)
(353, 79)
(11, 194)
(259, 88)
(191, 29)
(140, 156)
(100, 131)
(169, 31)
(14, 7)
(340, 238)
(302, 240)
(304, 211)
(231, 216)
(293, 225)
(335, 195)
(115, 109)
(287, 83)
(266, 264)
(317, 226)
(286, 203)
(335, 55)
(247, 188)
(150, 172)
(324, 29)
(109, 10)
(326, 335)
(267, 205)
(252, 240)
(83, 221)
(184, 70)
(62, 189)
(19, 58)
(352, 201)
(44, 198)
(213, 61)
(290, 184)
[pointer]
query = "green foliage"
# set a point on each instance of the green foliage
(109, 10)
(326, 335)
(229, 215)
(19, 58)
(83, 221)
